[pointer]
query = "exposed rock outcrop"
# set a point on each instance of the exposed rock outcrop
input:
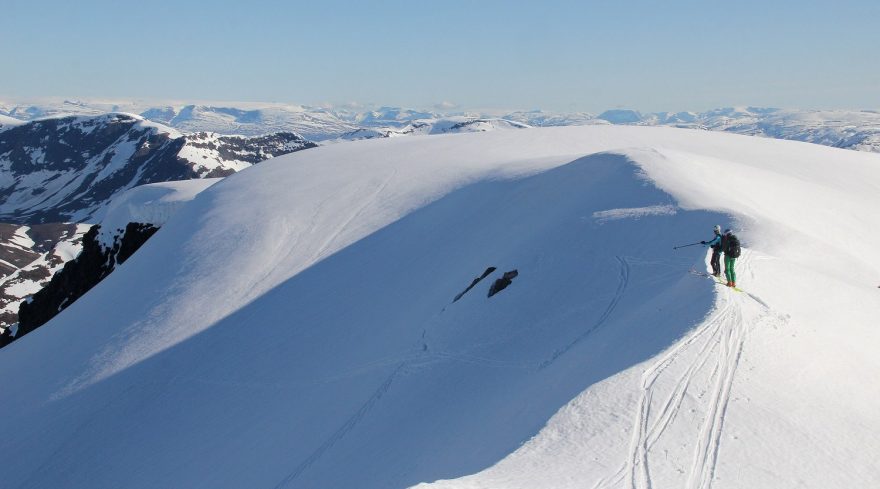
(78, 276)
(502, 282)
(475, 282)
(29, 256)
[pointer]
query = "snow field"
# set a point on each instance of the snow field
(299, 315)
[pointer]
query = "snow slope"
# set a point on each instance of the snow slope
(153, 203)
(294, 325)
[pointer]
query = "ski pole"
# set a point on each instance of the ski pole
(685, 246)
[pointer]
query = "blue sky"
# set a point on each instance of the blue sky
(562, 55)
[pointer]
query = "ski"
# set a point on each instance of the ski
(724, 284)
(717, 280)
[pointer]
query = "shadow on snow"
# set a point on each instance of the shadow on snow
(361, 372)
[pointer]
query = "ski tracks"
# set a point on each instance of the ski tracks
(375, 197)
(346, 427)
(622, 283)
(698, 372)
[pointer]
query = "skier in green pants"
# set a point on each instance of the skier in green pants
(730, 247)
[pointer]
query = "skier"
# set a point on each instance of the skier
(715, 244)
(730, 247)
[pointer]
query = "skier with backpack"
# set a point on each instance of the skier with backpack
(731, 249)
(715, 244)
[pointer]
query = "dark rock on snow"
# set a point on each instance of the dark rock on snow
(475, 282)
(502, 282)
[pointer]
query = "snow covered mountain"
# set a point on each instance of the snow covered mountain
(68, 168)
(857, 130)
(312, 124)
(29, 256)
(295, 325)
(540, 118)
(850, 129)
(449, 125)
(388, 117)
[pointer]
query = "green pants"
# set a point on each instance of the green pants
(729, 272)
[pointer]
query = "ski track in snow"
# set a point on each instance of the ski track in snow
(344, 429)
(326, 247)
(623, 281)
(715, 347)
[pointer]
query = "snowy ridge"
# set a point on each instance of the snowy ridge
(7, 122)
(148, 204)
(302, 312)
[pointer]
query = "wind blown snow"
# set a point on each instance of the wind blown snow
(634, 212)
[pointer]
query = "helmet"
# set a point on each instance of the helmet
(717, 229)
(728, 231)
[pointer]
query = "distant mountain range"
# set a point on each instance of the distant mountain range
(446, 125)
(851, 129)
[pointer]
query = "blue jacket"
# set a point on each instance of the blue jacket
(716, 242)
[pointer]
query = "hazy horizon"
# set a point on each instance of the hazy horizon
(566, 56)
(364, 107)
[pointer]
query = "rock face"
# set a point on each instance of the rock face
(67, 169)
(502, 282)
(473, 283)
(29, 256)
(78, 276)
(236, 150)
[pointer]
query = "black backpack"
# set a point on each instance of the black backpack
(733, 248)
